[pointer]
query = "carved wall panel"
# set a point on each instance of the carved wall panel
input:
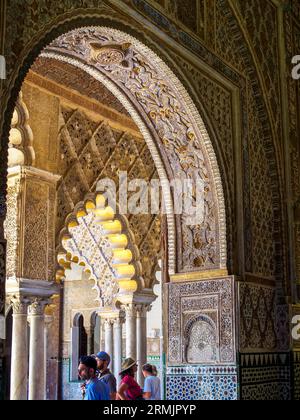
(29, 226)
(257, 318)
(260, 20)
(262, 212)
(12, 226)
(2, 276)
(211, 303)
(38, 218)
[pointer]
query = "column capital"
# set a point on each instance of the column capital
(129, 308)
(20, 305)
(142, 309)
(108, 322)
(118, 322)
(37, 307)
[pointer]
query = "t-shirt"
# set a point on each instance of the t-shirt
(96, 390)
(109, 379)
(152, 385)
(134, 391)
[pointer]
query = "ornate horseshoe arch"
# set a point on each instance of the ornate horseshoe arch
(98, 240)
(171, 125)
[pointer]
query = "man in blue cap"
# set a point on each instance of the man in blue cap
(105, 375)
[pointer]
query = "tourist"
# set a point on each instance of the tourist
(152, 390)
(154, 370)
(129, 389)
(94, 390)
(105, 375)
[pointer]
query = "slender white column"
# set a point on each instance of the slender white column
(130, 331)
(19, 355)
(48, 322)
(118, 347)
(141, 341)
(37, 372)
(90, 336)
(109, 340)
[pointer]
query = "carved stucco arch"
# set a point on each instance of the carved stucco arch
(98, 239)
(21, 151)
(169, 121)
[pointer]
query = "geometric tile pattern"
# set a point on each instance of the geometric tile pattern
(265, 376)
(296, 376)
(70, 391)
(203, 383)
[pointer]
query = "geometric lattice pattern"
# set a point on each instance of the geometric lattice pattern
(90, 245)
(265, 376)
(257, 314)
(91, 151)
(204, 383)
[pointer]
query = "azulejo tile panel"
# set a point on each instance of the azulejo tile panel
(202, 322)
(202, 383)
(71, 391)
(265, 376)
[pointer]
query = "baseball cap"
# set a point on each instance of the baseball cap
(103, 356)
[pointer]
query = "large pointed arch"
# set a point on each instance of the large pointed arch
(172, 127)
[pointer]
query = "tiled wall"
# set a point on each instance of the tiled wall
(265, 376)
(202, 383)
(70, 390)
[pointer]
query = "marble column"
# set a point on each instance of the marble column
(48, 322)
(90, 338)
(19, 353)
(130, 331)
(37, 374)
(118, 347)
(109, 340)
(141, 341)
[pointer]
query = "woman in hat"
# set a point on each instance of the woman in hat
(129, 389)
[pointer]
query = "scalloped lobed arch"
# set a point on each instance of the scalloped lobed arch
(99, 240)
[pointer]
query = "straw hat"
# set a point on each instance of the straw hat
(127, 364)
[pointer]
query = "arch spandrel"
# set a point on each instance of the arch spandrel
(172, 128)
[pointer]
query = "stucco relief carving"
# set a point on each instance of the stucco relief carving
(2, 275)
(92, 151)
(181, 135)
(201, 337)
(211, 302)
